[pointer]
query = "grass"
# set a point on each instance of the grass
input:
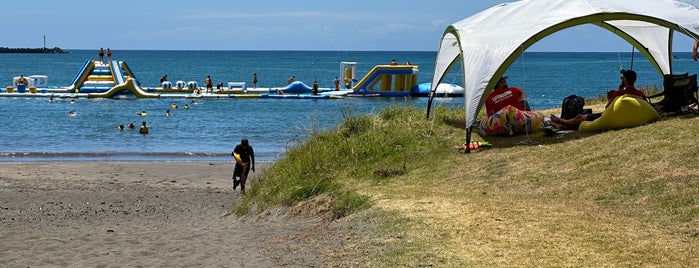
(625, 197)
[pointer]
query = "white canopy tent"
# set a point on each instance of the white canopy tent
(487, 43)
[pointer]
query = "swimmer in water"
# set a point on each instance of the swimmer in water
(144, 128)
(72, 113)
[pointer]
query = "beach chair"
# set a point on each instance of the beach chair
(679, 94)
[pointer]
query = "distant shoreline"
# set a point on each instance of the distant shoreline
(44, 50)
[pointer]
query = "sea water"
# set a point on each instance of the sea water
(32, 129)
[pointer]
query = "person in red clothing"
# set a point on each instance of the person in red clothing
(508, 112)
(503, 95)
(628, 78)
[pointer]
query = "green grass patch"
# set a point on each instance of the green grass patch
(626, 197)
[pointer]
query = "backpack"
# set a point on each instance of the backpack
(572, 106)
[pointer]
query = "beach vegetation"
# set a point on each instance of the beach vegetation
(627, 197)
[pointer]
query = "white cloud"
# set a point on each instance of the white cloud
(239, 15)
(386, 29)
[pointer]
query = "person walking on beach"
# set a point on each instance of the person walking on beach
(101, 54)
(109, 55)
(209, 84)
(244, 162)
(254, 80)
(337, 84)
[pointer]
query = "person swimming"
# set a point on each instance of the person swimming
(142, 113)
(143, 129)
(72, 113)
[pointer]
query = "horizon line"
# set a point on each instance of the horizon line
(345, 50)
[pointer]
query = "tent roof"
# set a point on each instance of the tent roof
(489, 42)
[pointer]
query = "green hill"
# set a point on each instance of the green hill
(395, 192)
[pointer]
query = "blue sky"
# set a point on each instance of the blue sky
(403, 25)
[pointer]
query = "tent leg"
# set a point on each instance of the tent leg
(468, 139)
(429, 104)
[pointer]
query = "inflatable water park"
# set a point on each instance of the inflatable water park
(115, 79)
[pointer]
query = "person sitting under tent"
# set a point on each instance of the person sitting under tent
(626, 88)
(508, 112)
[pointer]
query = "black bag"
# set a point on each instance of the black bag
(572, 106)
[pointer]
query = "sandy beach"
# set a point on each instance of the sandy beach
(140, 214)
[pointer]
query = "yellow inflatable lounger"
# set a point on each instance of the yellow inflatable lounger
(510, 121)
(625, 111)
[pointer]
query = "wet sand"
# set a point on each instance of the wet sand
(140, 214)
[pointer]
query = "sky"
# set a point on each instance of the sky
(357, 25)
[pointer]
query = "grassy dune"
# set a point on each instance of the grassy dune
(400, 194)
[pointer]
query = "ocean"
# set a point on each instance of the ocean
(35, 130)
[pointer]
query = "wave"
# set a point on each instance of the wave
(121, 156)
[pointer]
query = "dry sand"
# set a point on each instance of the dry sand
(141, 214)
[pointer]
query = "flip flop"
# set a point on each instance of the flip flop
(550, 131)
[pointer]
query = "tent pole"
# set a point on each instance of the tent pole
(633, 50)
(429, 104)
(468, 139)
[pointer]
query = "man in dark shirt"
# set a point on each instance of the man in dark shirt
(245, 161)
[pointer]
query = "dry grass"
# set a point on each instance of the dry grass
(624, 198)
(617, 198)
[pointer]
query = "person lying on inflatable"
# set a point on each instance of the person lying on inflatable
(626, 107)
(508, 112)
